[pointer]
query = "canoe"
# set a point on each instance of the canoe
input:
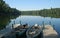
(34, 31)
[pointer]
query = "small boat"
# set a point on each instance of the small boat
(19, 31)
(34, 31)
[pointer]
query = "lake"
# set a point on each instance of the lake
(31, 20)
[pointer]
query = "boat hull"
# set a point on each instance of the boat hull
(35, 32)
(40, 35)
(22, 35)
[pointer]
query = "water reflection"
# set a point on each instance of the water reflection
(31, 20)
(3, 22)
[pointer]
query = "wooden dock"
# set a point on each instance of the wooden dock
(49, 32)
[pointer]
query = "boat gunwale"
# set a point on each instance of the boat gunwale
(40, 29)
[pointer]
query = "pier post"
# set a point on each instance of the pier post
(54, 27)
(12, 26)
(43, 25)
(14, 22)
(20, 22)
(50, 22)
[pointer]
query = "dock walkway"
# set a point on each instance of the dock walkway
(49, 32)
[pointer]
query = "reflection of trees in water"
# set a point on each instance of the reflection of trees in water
(5, 20)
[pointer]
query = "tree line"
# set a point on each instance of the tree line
(53, 12)
(6, 10)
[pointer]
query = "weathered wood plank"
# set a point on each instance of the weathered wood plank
(49, 32)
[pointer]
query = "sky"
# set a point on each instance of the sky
(24, 5)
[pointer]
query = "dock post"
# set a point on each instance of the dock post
(14, 22)
(20, 22)
(54, 27)
(12, 26)
(50, 22)
(43, 25)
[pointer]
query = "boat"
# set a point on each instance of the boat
(34, 32)
(19, 31)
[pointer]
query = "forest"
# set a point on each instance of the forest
(53, 12)
(6, 10)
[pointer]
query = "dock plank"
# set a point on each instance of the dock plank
(49, 32)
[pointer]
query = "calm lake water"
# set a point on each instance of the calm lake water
(31, 20)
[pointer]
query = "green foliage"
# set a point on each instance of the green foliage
(6, 10)
(53, 12)
(7, 13)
